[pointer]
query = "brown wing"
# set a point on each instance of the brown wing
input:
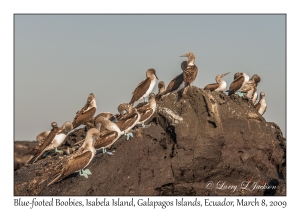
(75, 164)
(257, 106)
(211, 87)
(145, 113)
(86, 106)
(106, 139)
(140, 90)
(40, 138)
(190, 74)
(83, 117)
(127, 121)
(236, 85)
(175, 83)
(49, 138)
(183, 65)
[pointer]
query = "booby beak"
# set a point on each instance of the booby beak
(156, 76)
(185, 55)
(113, 119)
(223, 75)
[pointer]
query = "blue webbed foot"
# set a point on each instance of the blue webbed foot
(109, 153)
(45, 154)
(128, 135)
(85, 173)
(240, 94)
(57, 150)
(144, 126)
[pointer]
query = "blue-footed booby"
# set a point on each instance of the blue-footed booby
(38, 150)
(147, 110)
(219, 86)
(190, 72)
(161, 90)
(250, 88)
(145, 87)
(241, 79)
(261, 106)
(129, 117)
(178, 82)
(59, 138)
(78, 160)
(109, 131)
(86, 113)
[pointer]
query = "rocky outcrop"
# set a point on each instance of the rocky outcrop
(201, 143)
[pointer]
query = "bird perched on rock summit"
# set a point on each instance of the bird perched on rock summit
(190, 71)
(145, 87)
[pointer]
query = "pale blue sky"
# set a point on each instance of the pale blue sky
(60, 59)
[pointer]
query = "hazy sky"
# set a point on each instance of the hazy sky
(60, 59)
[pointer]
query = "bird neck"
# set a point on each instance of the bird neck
(109, 125)
(93, 103)
(152, 103)
(191, 61)
(161, 90)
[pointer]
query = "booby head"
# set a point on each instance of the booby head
(262, 94)
(150, 73)
(90, 97)
(124, 108)
(220, 76)
(189, 55)
(151, 96)
(107, 119)
(236, 75)
(101, 116)
(54, 125)
(255, 78)
(161, 87)
(67, 126)
(191, 58)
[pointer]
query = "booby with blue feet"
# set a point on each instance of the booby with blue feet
(79, 160)
(145, 87)
(219, 86)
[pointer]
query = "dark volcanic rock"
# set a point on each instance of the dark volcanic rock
(20, 149)
(197, 144)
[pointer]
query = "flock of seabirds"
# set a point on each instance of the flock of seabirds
(107, 128)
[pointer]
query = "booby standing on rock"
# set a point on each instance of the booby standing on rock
(250, 88)
(109, 131)
(178, 82)
(145, 87)
(147, 110)
(219, 86)
(261, 106)
(86, 113)
(38, 150)
(80, 159)
(128, 119)
(190, 72)
(238, 83)
(161, 90)
(59, 138)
